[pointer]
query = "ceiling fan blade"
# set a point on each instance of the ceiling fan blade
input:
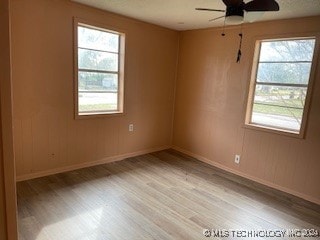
(216, 18)
(209, 9)
(233, 3)
(261, 5)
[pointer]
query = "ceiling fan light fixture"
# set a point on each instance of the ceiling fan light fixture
(234, 15)
(234, 20)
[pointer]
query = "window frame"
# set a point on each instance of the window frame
(121, 69)
(253, 71)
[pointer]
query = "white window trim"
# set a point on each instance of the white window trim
(253, 75)
(121, 79)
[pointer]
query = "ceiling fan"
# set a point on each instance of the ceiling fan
(234, 13)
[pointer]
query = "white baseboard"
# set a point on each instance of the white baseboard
(87, 164)
(255, 179)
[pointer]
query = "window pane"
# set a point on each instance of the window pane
(279, 106)
(292, 73)
(91, 102)
(98, 40)
(91, 81)
(94, 60)
(98, 70)
(287, 50)
(277, 117)
(280, 96)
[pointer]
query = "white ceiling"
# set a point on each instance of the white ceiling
(181, 14)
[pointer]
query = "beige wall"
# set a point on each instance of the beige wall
(47, 137)
(8, 224)
(210, 107)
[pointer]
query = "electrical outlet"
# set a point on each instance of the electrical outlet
(131, 127)
(237, 159)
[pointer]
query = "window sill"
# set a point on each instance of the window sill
(268, 129)
(98, 115)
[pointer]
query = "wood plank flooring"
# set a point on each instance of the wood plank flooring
(163, 195)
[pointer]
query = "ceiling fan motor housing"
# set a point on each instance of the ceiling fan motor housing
(234, 11)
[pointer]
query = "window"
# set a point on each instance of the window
(279, 90)
(99, 70)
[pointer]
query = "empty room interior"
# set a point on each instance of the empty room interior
(181, 119)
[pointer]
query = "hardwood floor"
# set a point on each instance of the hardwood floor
(163, 195)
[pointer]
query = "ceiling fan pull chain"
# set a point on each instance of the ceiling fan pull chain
(224, 26)
(239, 51)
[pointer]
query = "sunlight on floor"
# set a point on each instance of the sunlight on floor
(74, 227)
